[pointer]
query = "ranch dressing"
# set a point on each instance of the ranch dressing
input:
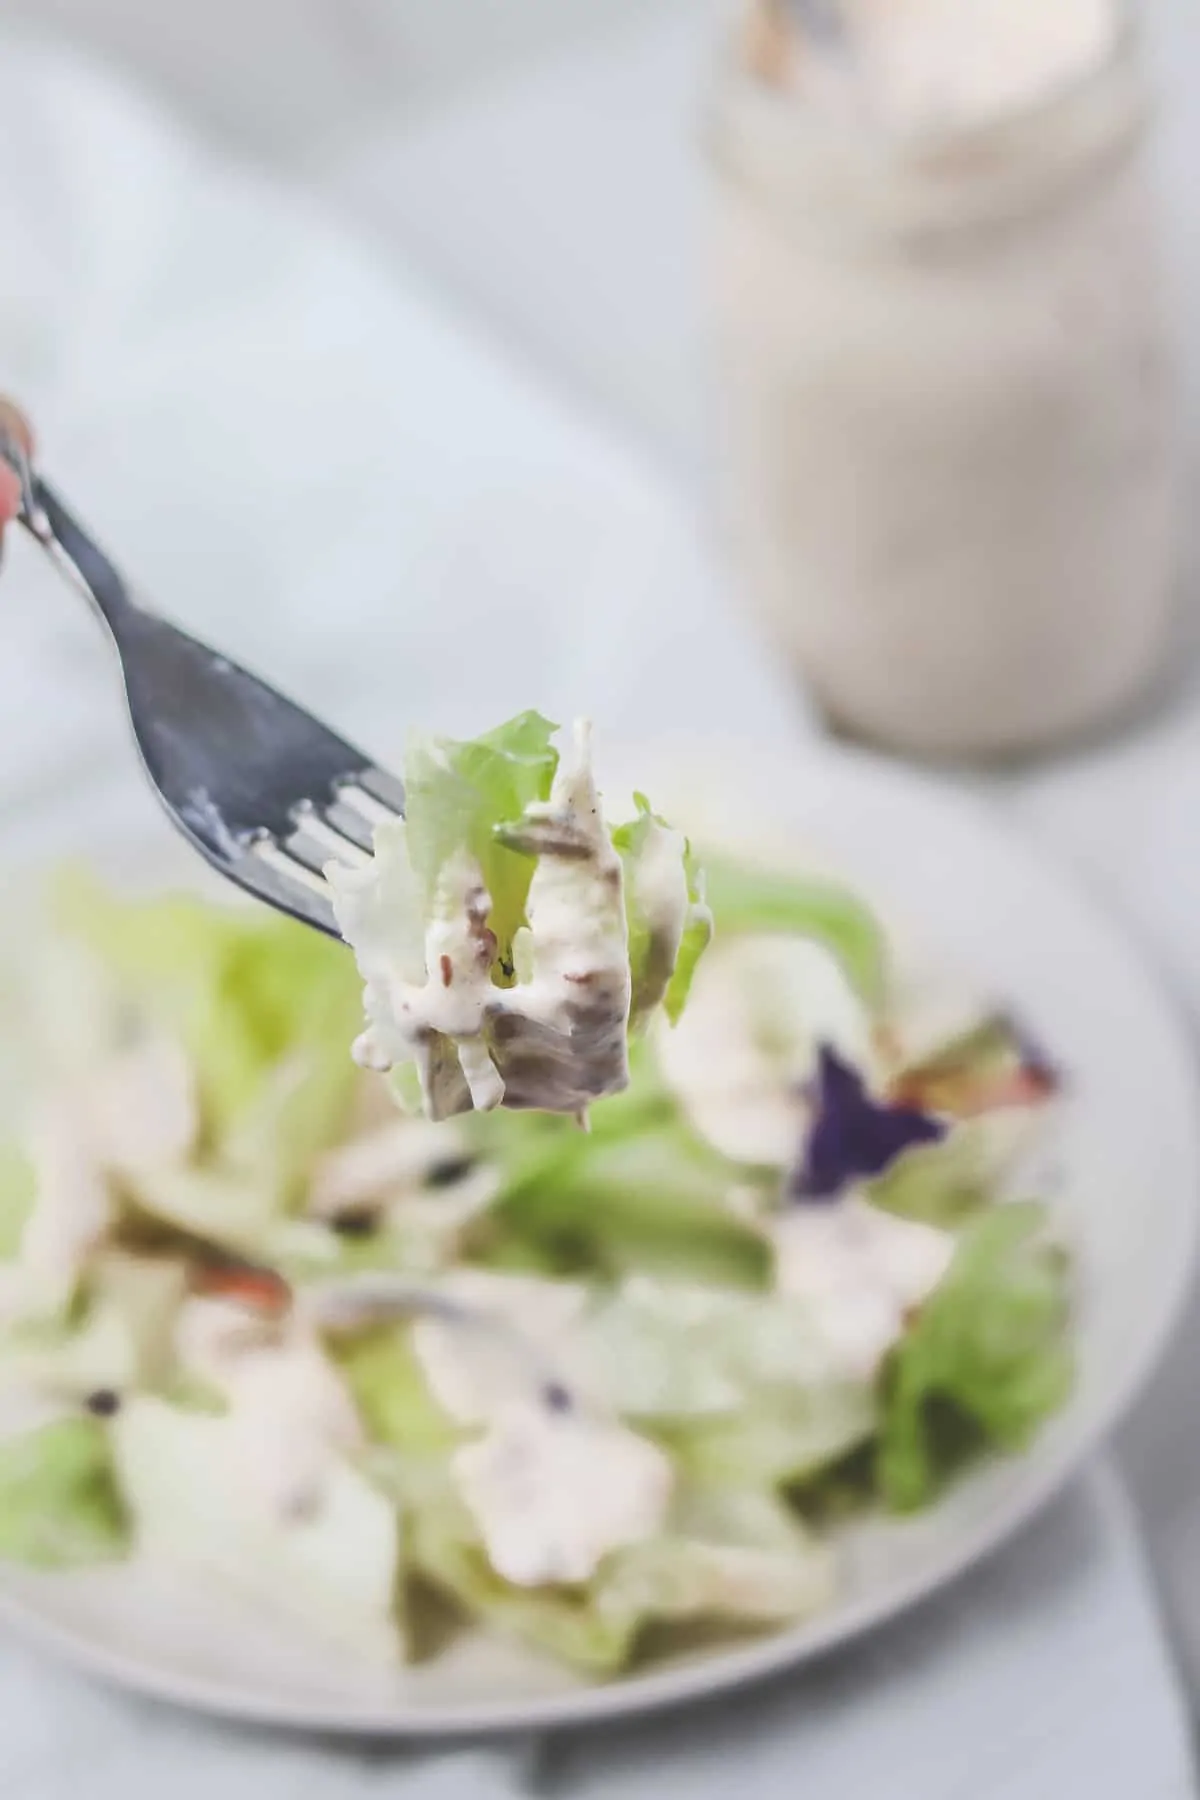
(952, 450)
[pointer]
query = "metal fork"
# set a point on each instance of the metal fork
(265, 792)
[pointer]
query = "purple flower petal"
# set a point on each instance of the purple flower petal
(853, 1137)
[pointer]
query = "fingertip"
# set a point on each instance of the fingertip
(10, 493)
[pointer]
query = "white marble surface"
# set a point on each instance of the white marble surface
(192, 344)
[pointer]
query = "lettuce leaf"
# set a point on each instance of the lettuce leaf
(18, 1190)
(459, 793)
(698, 930)
(732, 1554)
(575, 1625)
(670, 926)
(946, 1183)
(748, 898)
(59, 1504)
(334, 1572)
(655, 1200)
(388, 1386)
(779, 1439)
(728, 1555)
(244, 991)
(988, 1359)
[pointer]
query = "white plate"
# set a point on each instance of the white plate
(1131, 1175)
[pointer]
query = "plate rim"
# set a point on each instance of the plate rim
(776, 1653)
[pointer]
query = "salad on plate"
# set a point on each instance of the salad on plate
(652, 1228)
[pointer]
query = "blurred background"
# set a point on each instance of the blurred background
(680, 362)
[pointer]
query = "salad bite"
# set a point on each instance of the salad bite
(341, 1343)
(506, 937)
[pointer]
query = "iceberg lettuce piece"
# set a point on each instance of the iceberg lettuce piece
(726, 1555)
(59, 1502)
(732, 1554)
(654, 1198)
(334, 1570)
(948, 1182)
(746, 897)
(989, 1353)
(458, 793)
(18, 1191)
(244, 992)
(669, 922)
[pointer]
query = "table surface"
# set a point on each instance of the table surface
(563, 209)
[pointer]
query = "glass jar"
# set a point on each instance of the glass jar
(949, 380)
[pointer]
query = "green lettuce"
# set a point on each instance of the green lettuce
(264, 1007)
(987, 1361)
(668, 933)
(698, 929)
(59, 1503)
(748, 898)
(457, 794)
(18, 1190)
(727, 1555)
(948, 1182)
(654, 1199)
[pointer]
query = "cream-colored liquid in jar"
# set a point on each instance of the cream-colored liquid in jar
(949, 375)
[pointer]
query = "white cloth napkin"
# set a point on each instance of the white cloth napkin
(298, 455)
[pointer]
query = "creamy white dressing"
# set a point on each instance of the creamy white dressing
(554, 1492)
(393, 1158)
(516, 1335)
(861, 1271)
(291, 1422)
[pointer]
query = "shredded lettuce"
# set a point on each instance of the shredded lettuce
(988, 1358)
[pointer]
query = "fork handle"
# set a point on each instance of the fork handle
(76, 555)
(66, 543)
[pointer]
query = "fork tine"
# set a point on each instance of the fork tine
(346, 822)
(269, 874)
(387, 789)
(262, 789)
(315, 840)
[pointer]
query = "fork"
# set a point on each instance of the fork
(265, 792)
